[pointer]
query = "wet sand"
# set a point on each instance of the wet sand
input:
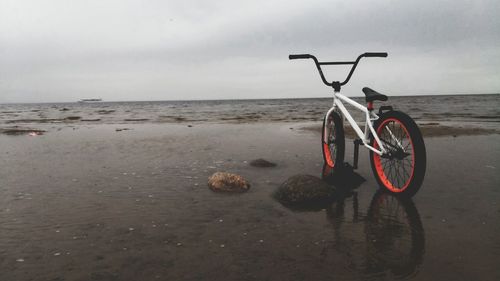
(428, 129)
(95, 203)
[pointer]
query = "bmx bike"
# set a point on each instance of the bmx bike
(397, 149)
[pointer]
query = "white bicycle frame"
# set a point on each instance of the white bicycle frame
(370, 117)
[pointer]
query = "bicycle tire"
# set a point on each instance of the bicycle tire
(334, 146)
(391, 170)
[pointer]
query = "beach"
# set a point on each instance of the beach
(128, 200)
(262, 140)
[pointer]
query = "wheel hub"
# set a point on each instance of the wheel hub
(398, 154)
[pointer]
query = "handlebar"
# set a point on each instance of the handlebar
(303, 56)
(336, 84)
(372, 55)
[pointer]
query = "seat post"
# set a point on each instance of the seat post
(369, 106)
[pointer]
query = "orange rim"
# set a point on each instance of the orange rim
(326, 147)
(395, 174)
(328, 156)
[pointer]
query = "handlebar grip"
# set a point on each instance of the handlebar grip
(381, 55)
(302, 56)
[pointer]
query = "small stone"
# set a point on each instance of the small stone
(179, 244)
(222, 245)
(20, 260)
(262, 163)
(227, 182)
(130, 229)
(57, 254)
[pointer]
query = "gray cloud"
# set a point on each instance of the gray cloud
(61, 51)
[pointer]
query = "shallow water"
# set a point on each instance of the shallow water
(477, 109)
(95, 204)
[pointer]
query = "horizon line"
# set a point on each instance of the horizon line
(246, 99)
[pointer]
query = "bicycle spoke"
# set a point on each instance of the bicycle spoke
(396, 140)
(406, 172)
(385, 142)
(385, 165)
(398, 176)
(392, 171)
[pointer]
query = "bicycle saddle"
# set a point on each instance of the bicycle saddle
(372, 95)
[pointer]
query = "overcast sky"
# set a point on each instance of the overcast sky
(225, 49)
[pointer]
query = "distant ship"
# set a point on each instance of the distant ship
(90, 100)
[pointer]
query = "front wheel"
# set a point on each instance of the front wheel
(332, 141)
(401, 169)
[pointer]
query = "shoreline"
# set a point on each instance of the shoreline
(429, 129)
(466, 111)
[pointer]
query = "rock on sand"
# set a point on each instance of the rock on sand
(227, 182)
(263, 163)
(16, 131)
(304, 190)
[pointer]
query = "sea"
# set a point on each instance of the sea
(481, 110)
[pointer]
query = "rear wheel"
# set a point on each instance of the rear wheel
(401, 169)
(332, 141)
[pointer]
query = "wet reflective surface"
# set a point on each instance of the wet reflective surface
(96, 204)
(387, 240)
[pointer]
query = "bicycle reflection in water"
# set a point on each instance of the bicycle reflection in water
(387, 240)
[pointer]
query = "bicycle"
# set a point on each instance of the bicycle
(397, 149)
